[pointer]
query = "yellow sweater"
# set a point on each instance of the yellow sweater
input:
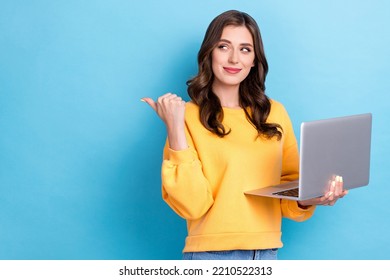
(205, 183)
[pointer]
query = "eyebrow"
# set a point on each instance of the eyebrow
(242, 44)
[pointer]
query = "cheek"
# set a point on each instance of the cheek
(249, 61)
(216, 58)
(214, 61)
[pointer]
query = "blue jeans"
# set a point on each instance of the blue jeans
(268, 254)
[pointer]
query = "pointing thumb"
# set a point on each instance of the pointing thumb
(151, 102)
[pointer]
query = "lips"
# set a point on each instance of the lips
(232, 70)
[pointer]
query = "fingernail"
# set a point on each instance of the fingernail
(142, 100)
(333, 183)
(330, 193)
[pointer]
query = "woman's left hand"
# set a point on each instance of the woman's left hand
(335, 192)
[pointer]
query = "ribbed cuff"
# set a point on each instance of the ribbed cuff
(182, 156)
(294, 207)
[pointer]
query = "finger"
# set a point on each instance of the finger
(320, 201)
(172, 101)
(171, 97)
(331, 192)
(344, 193)
(336, 190)
(339, 186)
(323, 199)
(325, 203)
(151, 102)
(167, 99)
(164, 96)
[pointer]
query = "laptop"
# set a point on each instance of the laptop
(329, 147)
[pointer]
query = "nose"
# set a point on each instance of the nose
(233, 57)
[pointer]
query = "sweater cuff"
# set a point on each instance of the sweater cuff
(294, 207)
(183, 156)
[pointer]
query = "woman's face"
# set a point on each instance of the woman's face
(233, 57)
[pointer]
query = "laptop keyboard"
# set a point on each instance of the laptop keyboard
(291, 192)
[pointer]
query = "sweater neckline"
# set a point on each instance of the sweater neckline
(232, 110)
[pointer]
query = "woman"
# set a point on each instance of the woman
(231, 138)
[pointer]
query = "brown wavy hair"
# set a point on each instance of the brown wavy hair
(252, 97)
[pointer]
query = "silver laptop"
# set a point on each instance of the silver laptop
(336, 146)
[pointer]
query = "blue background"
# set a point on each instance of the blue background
(80, 155)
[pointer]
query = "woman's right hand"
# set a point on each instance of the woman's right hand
(171, 109)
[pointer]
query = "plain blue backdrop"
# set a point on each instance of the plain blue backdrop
(80, 155)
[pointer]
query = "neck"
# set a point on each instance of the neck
(228, 95)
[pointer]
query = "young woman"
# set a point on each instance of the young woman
(231, 138)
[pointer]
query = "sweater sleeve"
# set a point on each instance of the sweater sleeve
(184, 187)
(290, 172)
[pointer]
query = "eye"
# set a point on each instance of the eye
(246, 50)
(223, 47)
